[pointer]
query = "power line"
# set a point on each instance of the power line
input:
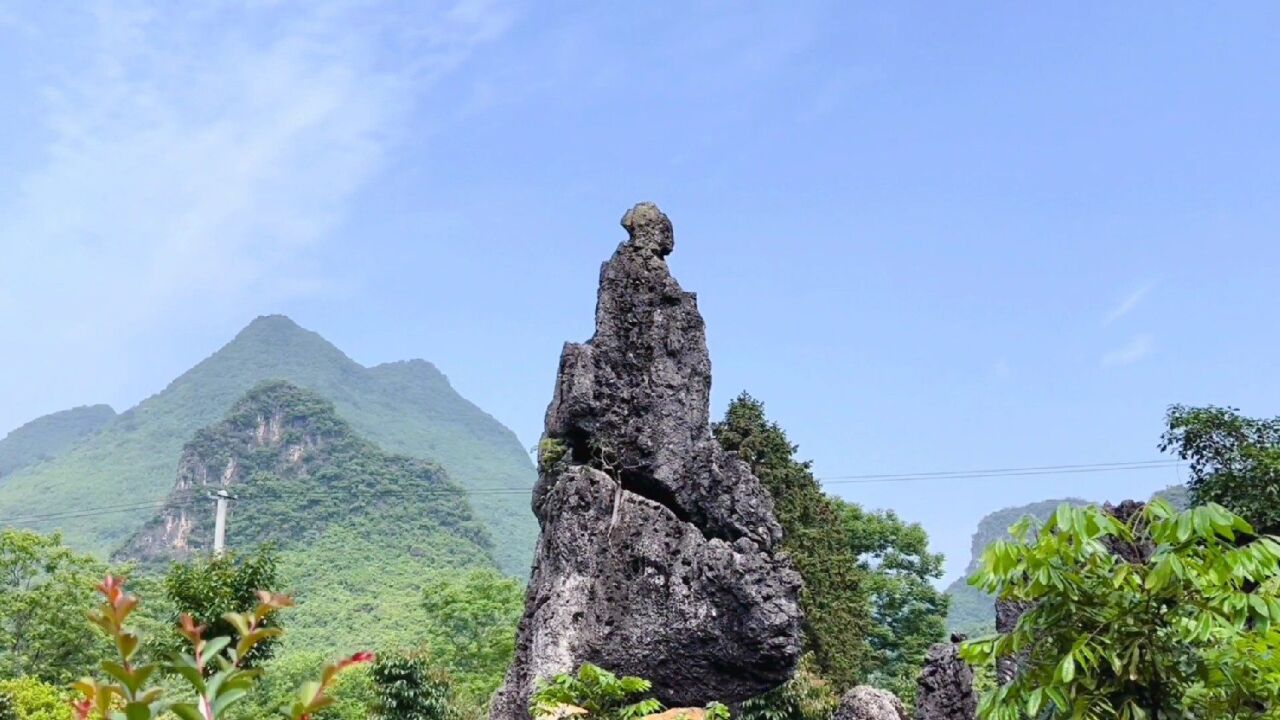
(189, 498)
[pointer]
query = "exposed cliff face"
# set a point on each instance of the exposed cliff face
(296, 469)
(657, 551)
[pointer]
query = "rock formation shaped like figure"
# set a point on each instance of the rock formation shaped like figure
(945, 687)
(868, 703)
(657, 549)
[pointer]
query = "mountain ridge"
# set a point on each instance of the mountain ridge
(49, 435)
(405, 407)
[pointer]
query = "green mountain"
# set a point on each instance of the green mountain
(346, 516)
(116, 479)
(47, 437)
(973, 611)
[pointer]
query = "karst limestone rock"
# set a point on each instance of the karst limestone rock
(657, 553)
(868, 703)
(944, 690)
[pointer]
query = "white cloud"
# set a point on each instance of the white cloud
(185, 158)
(1131, 301)
(1129, 353)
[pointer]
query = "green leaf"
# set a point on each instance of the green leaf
(185, 711)
(1067, 668)
(137, 711)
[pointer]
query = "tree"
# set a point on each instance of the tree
(1235, 460)
(908, 613)
(1160, 615)
(45, 591)
(208, 589)
(471, 626)
(409, 688)
(835, 596)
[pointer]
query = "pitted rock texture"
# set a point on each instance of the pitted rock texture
(1008, 612)
(868, 703)
(657, 549)
(944, 690)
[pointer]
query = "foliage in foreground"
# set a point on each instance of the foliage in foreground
(1191, 632)
(212, 591)
(212, 671)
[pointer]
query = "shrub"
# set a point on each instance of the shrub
(212, 670)
(599, 692)
(32, 699)
(409, 688)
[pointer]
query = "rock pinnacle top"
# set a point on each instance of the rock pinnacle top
(649, 228)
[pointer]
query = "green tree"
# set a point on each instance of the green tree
(908, 613)
(45, 591)
(835, 596)
(408, 687)
(208, 589)
(471, 626)
(1165, 615)
(1235, 460)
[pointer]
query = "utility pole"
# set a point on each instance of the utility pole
(220, 521)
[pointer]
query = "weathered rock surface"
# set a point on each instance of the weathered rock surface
(868, 703)
(657, 549)
(945, 687)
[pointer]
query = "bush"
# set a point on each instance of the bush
(599, 692)
(31, 699)
(409, 688)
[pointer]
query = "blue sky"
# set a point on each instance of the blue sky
(929, 236)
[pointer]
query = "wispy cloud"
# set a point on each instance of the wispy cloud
(182, 160)
(1131, 301)
(1131, 352)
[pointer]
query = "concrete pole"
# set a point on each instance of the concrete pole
(220, 522)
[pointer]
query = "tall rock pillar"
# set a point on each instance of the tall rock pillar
(658, 550)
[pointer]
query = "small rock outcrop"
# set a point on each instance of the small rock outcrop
(656, 556)
(868, 703)
(945, 687)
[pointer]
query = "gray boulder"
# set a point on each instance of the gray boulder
(868, 703)
(657, 553)
(944, 690)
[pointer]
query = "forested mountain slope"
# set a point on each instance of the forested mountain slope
(47, 437)
(123, 472)
(358, 528)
